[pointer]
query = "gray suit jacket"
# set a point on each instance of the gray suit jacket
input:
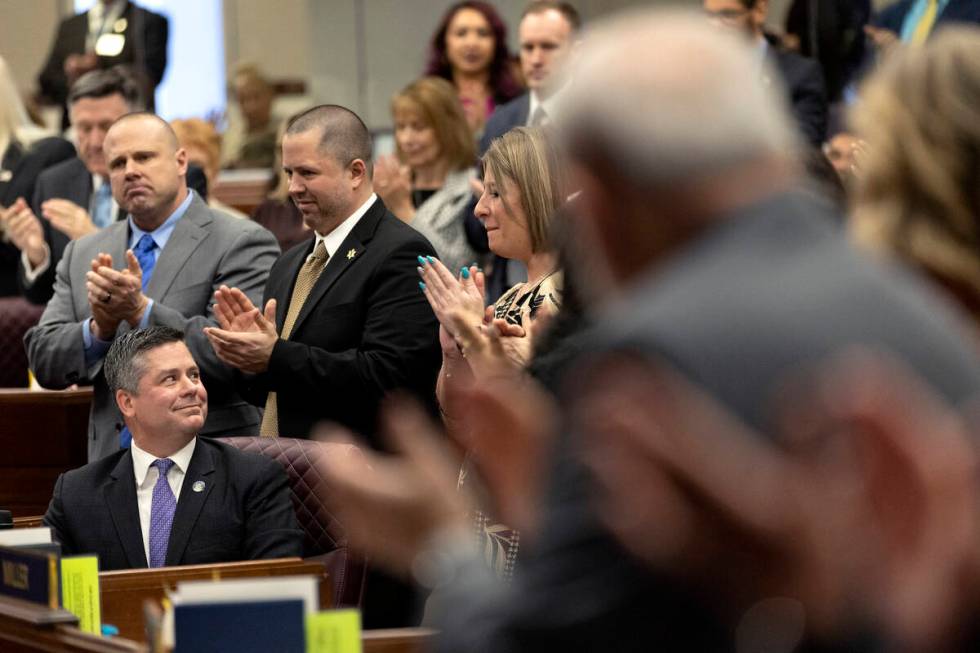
(769, 291)
(205, 250)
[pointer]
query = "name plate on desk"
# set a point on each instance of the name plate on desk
(29, 575)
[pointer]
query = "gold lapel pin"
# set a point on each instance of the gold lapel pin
(351, 254)
(198, 486)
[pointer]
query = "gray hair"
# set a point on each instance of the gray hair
(103, 83)
(124, 365)
(662, 96)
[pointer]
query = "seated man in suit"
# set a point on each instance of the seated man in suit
(170, 255)
(802, 77)
(172, 498)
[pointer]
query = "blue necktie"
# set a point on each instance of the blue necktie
(102, 206)
(144, 254)
(162, 508)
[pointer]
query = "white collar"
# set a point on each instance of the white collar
(333, 240)
(549, 104)
(142, 459)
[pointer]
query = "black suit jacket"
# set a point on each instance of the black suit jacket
(243, 513)
(145, 50)
(365, 330)
(24, 167)
(72, 181)
(771, 289)
(807, 92)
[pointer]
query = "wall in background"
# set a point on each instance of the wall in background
(355, 52)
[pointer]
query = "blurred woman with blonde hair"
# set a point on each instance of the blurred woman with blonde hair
(918, 191)
(427, 182)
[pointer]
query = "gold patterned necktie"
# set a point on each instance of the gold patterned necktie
(924, 27)
(305, 280)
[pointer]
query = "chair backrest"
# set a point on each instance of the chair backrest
(325, 535)
(17, 315)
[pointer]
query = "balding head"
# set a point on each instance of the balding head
(667, 129)
(146, 168)
(666, 97)
(343, 135)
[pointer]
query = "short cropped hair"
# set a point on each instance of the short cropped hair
(171, 134)
(343, 135)
(124, 364)
(436, 102)
(103, 83)
(569, 12)
(527, 158)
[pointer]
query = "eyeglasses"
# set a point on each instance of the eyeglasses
(726, 15)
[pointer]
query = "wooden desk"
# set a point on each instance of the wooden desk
(29, 628)
(123, 592)
(42, 434)
(242, 189)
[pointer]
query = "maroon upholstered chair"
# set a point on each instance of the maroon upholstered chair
(325, 538)
(17, 315)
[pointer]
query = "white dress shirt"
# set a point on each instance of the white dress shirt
(333, 240)
(146, 479)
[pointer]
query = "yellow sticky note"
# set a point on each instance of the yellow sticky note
(80, 591)
(334, 631)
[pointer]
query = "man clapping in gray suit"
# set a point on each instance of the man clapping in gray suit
(160, 266)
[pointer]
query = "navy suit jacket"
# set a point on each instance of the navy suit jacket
(504, 118)
(957, 11)
(244, 511)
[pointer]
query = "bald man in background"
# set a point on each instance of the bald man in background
(160, 266)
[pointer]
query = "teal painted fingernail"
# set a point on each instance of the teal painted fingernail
(421, 286)
(422, 260)
(432, 259)
(465, 272)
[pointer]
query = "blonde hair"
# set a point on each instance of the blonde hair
(918, 192)
(436, 101)
(525, 156)
(194, 132)
(15, 124)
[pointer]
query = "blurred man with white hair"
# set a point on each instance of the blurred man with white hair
(696, 249)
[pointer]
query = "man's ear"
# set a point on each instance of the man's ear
(181, 158)
(358, 173)
(124, 399)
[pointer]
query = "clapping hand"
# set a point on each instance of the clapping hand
(24, 230)
(247, 336)
(68, 218)
(448, 294)
(115, 295)
(393, 183)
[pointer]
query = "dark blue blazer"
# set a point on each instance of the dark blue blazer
(504, 118)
